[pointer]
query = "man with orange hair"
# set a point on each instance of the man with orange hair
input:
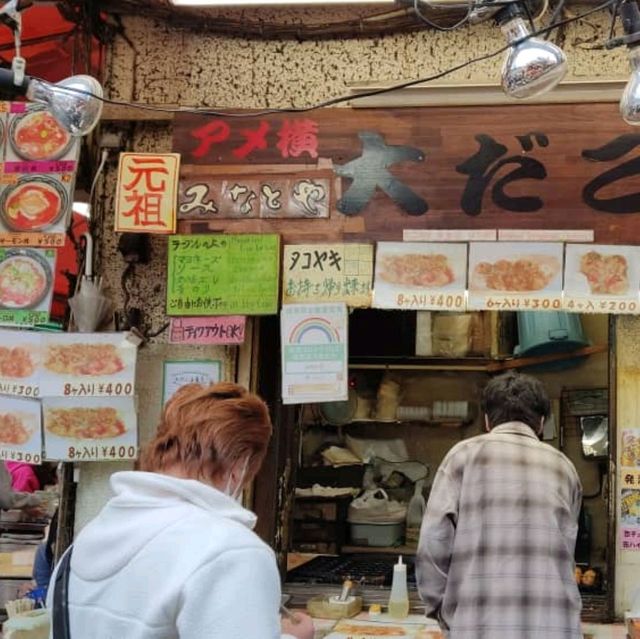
(173, 554)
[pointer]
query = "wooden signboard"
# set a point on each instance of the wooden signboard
(564, 166)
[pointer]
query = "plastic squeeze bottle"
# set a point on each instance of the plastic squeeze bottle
(415, 513)
(399, 598)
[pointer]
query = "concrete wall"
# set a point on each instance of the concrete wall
(171, 66)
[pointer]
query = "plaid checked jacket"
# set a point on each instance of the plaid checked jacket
(495, 559)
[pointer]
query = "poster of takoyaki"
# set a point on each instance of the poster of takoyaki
(90, 428)
(36, 192)
(602, 278)
(420, 275)
(515, 276)
(19, 363)
(20, 430)
(85, 364)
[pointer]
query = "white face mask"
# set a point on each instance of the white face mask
(237, 491)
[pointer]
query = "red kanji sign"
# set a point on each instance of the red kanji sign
(146, 198)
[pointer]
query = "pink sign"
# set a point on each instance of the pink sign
(207, 330)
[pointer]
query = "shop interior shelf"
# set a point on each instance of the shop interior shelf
(472, 364)
(446, 422)
(391, 550)
(409, 362)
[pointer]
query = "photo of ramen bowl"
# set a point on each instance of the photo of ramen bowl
(25, 279)
(33, 204)
(37, 135)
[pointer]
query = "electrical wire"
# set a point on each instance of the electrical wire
(438, 27)
(348, 98)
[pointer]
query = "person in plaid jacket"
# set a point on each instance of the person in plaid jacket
(496, 552)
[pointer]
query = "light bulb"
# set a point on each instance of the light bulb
(531, 67)
(630, 101)
(75, 102)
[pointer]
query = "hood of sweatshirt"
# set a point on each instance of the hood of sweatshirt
(144, 505)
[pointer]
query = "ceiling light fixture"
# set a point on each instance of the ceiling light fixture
(75, 102)
(532, 66)
(630, 101)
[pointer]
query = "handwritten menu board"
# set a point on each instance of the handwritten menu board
(602, 278)
(327, 273)
(223, 275)
(421, 276)
(147, 192)
(26, 285)
(90, 428)
(515, 276)
(20, 430)
(39, 162)
(314, 353)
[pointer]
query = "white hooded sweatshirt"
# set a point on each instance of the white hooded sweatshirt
(171, 558)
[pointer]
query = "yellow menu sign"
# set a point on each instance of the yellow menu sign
(327, 273)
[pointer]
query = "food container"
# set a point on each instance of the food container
(30, 625)
(377, 534)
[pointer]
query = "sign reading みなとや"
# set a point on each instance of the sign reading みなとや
(223, 275)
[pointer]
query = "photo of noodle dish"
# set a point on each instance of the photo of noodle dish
(35, 203)
(37, 135)
(103, 422)
(25, 279)
(16, 429)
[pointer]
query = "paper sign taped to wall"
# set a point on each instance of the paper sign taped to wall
(207, 330)
(223, 275)
(314, 353)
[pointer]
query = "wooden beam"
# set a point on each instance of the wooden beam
(117, 113)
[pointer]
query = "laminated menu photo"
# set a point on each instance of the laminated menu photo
(90, 428)
(19, 363)
(26, 285)
(85, 364)
(20, 430)
(37, 185)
